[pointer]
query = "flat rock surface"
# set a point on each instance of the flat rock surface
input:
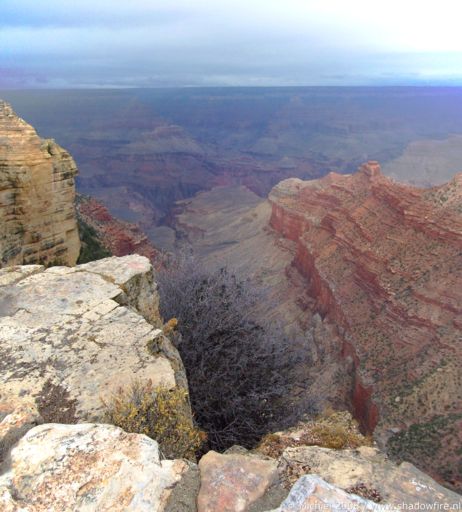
(369, 468)
(232, 482)
(88, 467)
(70, 336)
(311, 493)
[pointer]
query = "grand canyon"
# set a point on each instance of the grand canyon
(230, 256)
(361, 261)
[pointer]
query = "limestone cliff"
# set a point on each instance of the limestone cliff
(384, 263)
(37, 218)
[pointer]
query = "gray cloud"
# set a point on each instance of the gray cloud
(252, 42)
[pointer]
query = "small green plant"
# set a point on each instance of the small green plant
(160, 413)
(91, 247)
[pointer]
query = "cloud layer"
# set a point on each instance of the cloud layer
(253, 42)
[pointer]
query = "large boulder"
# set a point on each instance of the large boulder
(69, 337)
(233, 482)
(89, 467)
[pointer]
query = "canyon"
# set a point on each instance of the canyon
(140, 150)
(364, 273)
(367, 272)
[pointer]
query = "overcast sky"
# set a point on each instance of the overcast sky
(101, 43)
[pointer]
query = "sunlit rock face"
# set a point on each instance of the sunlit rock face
(37, 216)
(90, 467)
(383, 262)
(71, 336)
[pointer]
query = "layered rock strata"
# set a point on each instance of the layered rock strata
(229, 226)
(37, 217)
(384, 263)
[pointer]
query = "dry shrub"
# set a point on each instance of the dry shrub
(240, 368)
(335, 437)
(160, 413)
(369, 493)
(170, 326)
(336, 430)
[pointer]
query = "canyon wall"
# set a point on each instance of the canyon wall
(37, 216)
(117, 237)
(384, 264)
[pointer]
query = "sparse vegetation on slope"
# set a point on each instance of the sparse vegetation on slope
(159, 413)
(91, 247)
(335, 430)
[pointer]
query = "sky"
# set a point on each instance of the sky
(156, 43)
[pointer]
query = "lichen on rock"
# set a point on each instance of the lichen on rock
(85, 329)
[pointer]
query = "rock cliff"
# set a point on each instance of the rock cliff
(37, 219)
(118, 237)
(383, 262)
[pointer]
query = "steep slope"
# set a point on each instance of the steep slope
(118, 237)
(37, 217)
(384, 263)
(230, 226)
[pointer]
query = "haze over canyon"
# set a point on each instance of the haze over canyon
(345, 204)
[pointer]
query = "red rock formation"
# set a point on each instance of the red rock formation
(120, 238)
(384, 263)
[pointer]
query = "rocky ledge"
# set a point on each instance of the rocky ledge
(95, 468)
(70, 336)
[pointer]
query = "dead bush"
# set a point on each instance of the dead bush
(158, 412)
(240, 369)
